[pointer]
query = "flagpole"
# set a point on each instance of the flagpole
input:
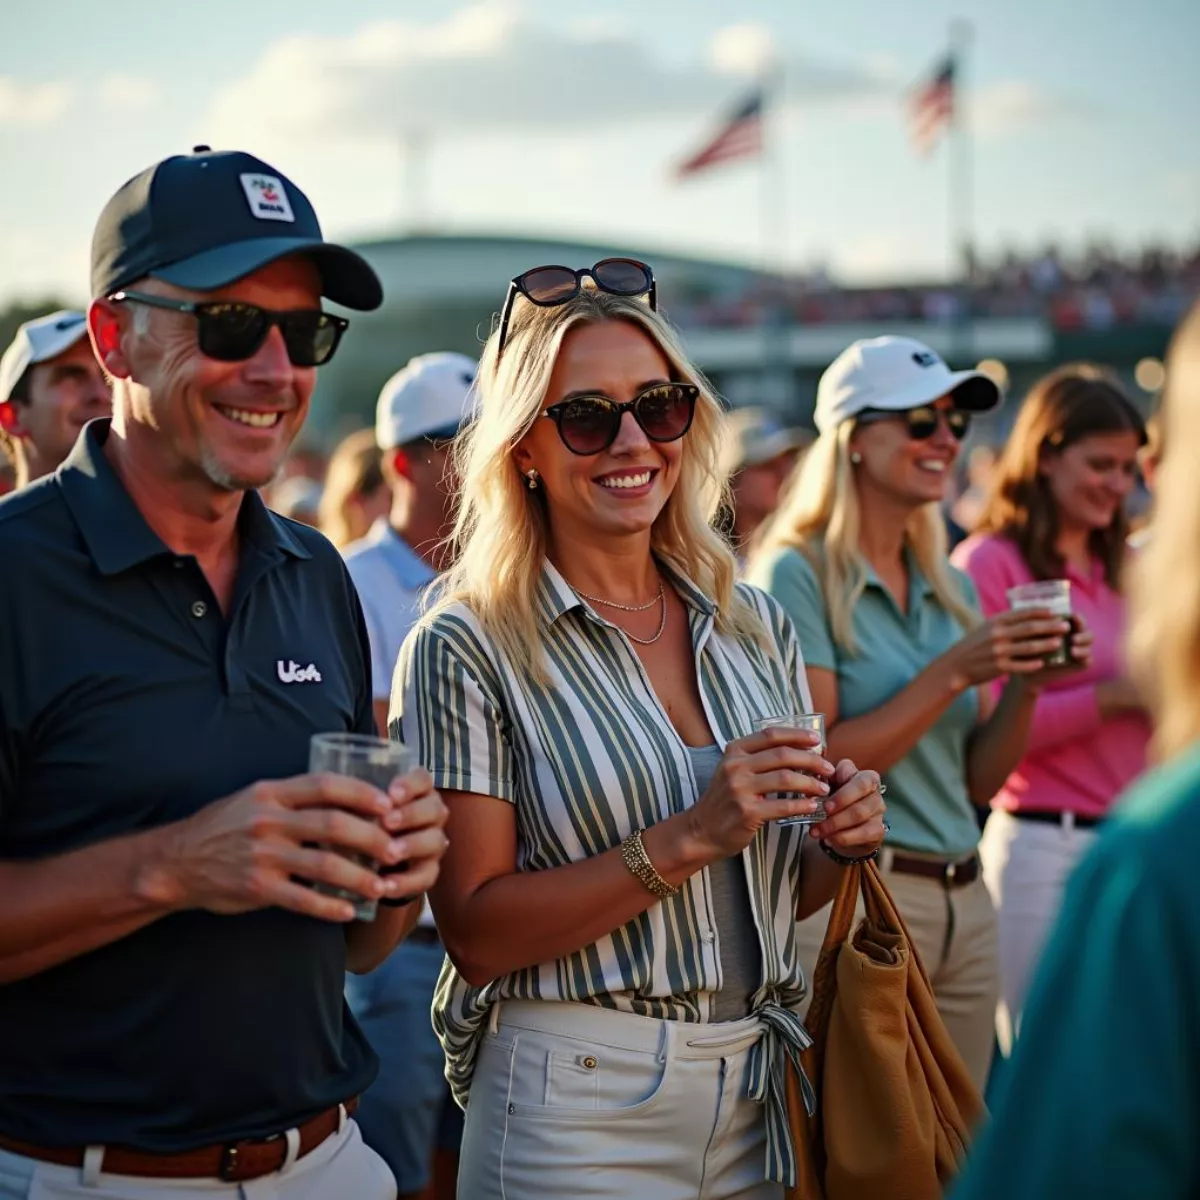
(773, 217)
(962, 190)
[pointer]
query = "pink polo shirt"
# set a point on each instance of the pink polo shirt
(1075, 761)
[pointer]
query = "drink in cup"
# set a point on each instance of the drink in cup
(360, 756)
(815, 723)
(1049, 595)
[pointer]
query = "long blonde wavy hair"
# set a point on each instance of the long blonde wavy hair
(1165, 579)
(501, 532)
(822, 519)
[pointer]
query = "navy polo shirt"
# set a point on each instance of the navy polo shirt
(129, 700)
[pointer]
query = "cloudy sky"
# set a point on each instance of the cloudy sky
(560, 117)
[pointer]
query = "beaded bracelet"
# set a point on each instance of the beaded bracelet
(846, 860)
(634, 856)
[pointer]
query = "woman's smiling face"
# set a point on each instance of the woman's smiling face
(621, 490)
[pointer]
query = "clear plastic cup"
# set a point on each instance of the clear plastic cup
(1050, 595)
(815, 723)
(360, 756)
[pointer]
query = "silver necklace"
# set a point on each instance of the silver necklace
(661, 598)
(623, 607)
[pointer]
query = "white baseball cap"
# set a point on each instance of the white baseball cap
(894, 374)
(430, 397)
(36, 342)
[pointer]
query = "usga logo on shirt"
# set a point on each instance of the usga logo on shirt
(293, 672)
(268, 200)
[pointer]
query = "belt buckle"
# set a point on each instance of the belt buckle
(229, 1162)
(950, 874)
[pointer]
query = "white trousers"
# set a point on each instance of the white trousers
(1026, 865)
(342, 1167)
(572, 1100)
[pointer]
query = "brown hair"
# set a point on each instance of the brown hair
(1063, 408)
(355, 472)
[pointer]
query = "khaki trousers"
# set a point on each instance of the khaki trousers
(955, 933)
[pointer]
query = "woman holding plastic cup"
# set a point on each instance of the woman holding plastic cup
(1053, 539)
(898, 654)
(619, 901)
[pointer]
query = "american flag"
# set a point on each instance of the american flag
(931, 107)
(741, 136)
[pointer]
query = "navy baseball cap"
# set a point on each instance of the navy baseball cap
(206, 219)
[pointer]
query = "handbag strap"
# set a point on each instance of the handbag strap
(881, 910)
(824, 983)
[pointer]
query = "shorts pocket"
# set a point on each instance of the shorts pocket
(557, 1078)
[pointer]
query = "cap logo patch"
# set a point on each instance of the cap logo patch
(925, 358)
(268, 201)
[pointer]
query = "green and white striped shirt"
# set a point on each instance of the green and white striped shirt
(586, 761)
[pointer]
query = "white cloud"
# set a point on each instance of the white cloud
(127, 93)
(32, 103)
(489, 68)
(1011, 106)
(743, 49)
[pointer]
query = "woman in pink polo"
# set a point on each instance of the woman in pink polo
(1057, 511)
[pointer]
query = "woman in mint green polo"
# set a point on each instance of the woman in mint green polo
(898, 655)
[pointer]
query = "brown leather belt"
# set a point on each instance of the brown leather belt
(949, 874)
(233, 1163)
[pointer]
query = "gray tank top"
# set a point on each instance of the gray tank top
(741, 957)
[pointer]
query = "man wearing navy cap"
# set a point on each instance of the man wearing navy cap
(171, 1012)
(51, 386)
(408, 1114)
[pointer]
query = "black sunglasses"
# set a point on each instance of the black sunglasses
(589, 424)
(922, 421)
(550, 286)
(233, 331)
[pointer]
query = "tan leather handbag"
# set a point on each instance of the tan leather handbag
(895, 1105)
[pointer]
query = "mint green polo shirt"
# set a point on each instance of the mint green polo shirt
(928, 806)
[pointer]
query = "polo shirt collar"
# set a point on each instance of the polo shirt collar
(556, 597)
(919, 588)
(410, 569)
(112, 526)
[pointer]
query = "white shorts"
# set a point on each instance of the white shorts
(573, 1100)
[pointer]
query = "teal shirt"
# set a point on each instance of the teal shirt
(928, 806)
(1102, 1098)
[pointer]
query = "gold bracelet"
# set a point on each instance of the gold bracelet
(634, 856)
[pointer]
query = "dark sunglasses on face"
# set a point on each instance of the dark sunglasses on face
(589, 424)
(550, 286)
(233, 331)
(922, 422)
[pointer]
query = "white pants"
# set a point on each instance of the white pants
(572, 1100)
(341, 1168)
(1026, 865)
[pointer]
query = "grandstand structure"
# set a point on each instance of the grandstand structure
(766, 340)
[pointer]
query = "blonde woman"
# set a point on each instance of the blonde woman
(354, 497)
(620, 903)
(897, 652)
(1103, 1094)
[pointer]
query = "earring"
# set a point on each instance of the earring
(855, 457)
(532, 478)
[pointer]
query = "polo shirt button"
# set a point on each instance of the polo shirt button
(199, 608)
